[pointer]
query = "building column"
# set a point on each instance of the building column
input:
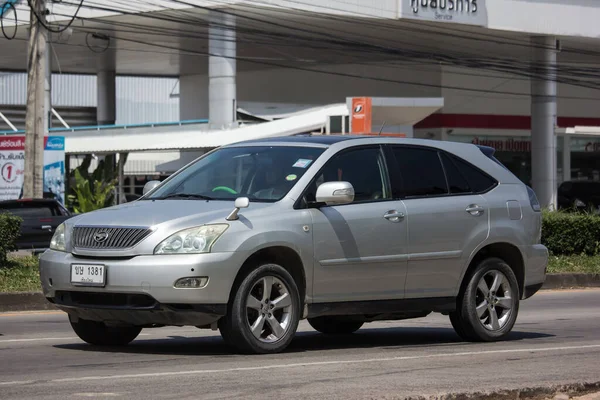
(48, 86)
(106, 107)
(543, 120)
(222, 106)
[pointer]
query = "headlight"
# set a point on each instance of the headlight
(58, 239)
(191, 241)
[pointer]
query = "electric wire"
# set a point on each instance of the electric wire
(568, 75)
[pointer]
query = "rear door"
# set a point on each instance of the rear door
(447, 218)
(40, 220)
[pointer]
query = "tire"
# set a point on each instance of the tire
(477, 324)
(335, 325)
(274, 316)
(98, 334)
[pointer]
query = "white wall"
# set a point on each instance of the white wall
(551, 17)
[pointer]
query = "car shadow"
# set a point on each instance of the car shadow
(386, 338)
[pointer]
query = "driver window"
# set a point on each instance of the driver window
(363, 168)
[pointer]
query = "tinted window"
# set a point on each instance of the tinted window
(30, 210)
(363, 168)
(421, 170)
(478, 181)
(456, 181)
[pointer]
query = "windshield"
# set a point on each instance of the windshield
(263, 174)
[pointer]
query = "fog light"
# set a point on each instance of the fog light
(191, 283)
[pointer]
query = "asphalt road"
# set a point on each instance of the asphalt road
(556, 341)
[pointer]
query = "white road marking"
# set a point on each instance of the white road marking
(16, 383)
(307, 364)
(36, 339)
(49, 339)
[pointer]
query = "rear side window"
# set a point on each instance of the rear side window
(31, 210)
(478, 181)
(421, 170)
(456, 181)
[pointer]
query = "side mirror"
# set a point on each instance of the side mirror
(150, 186)
(335, 193)
(240, 202)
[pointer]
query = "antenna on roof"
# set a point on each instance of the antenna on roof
(381, 130)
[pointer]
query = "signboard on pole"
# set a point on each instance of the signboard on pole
(12, 165)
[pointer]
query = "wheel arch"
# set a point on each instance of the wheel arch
(282, 255)
(505, 251)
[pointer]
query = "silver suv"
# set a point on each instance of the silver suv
(340, 230)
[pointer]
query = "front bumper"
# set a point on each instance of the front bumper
(143, 285)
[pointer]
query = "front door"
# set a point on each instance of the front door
(359, 248)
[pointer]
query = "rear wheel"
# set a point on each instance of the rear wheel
(264, 313)
(97, 333)
(335, 325)
(487, 308)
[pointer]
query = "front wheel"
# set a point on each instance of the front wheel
(97, 333)
(263, 315)
(487, 308)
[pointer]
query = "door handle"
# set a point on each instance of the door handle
(475, 210)
(393, 216)
(47, 227)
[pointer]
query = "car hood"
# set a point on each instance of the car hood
(148, 213)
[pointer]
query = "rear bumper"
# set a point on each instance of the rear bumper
(536, 264)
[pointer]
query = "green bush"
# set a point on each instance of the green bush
(9, 231)
(571, 233)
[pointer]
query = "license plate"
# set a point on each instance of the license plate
(88, 274)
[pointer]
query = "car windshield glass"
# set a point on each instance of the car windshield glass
(261, 173)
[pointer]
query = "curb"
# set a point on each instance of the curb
(32, 301)
(24, 301)
(533, 393)
(571, 281)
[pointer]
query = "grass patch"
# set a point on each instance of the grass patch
(574, 264)
(20, 274)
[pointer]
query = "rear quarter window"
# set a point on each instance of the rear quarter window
(478, 180)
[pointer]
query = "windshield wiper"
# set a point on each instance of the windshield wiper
(183, 196)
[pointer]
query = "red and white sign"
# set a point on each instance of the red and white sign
(12, 165)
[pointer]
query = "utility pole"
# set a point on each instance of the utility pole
(36, 118)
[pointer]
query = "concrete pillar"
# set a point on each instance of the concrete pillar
(48, 87)
(106, 107)
(543, 120)
(222, 71)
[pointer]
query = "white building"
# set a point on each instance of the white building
(510, 72)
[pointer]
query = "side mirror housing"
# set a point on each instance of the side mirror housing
(335, 193)
(240, 202)
(150, 186)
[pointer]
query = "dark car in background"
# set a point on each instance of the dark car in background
(40, 217)
(579, 196)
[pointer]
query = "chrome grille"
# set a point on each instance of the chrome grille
(85, 237)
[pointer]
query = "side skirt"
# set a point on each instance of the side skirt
(374, 307)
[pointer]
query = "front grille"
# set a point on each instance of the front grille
(113, 238)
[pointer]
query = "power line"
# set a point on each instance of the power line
(335, 43)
